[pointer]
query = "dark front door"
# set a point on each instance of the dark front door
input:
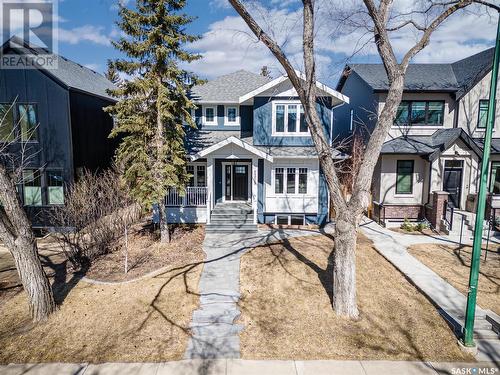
(240, 182)
(453, 181)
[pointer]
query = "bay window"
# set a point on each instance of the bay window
(289, 119)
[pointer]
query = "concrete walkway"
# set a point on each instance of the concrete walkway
(244, 367)
(393, 246)
(214, 333)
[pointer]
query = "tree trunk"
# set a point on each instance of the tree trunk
(164, 232)
(35, 282)
(344, 269)
(17, 235)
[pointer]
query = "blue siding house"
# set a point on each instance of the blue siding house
(252, 153)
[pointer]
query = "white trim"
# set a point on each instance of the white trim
(226, 118)
(331, 92)
(285, 181)
(286, 133)
(204, 119)
(238, 142)
(195, 166)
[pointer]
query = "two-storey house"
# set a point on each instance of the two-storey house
(55, 118)
(432, 153)
(252, 154)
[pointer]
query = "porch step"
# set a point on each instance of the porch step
(231, 218)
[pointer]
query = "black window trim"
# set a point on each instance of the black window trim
(412, 173)
(18, 119)
(15, 132)
(409, 108)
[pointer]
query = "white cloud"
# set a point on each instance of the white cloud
(86, 33)
(229, 45)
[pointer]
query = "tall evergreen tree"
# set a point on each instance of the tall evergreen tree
(153, 104)
(111, 73)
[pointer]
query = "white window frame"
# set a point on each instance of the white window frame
(226, 117)
(289, 218)
(204, 118)
(297, 132)
(195, 173)
(285, 181)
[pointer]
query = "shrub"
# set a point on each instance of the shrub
(97, 209)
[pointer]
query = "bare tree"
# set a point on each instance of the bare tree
(382, 22)
(15, 228)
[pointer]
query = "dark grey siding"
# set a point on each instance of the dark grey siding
(262, 134)
(91, 126)
(363, 102)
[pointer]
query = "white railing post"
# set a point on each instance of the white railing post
(255, 176)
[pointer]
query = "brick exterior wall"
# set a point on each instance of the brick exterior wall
(439, 199)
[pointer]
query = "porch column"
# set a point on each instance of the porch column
(255, 178)
(210, 187)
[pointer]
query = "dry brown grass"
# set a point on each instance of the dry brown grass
(146, 320)
(453, 265)
(287, 312)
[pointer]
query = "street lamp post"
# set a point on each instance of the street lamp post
(470, 313)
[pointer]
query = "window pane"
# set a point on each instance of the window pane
(228, 182)
(290, 180)
(27, 120)
(418, 113)
(402, 114)
(495, 178)
(200, 176)
(55, 183)
(404, 177)
(32, 188)
(302, 180)
(303, 123)
(209, 114)
(483, 113)
(297, 219)
(190, 172)
(278, 181)
(435, 113)
(292, 118)
(282, 219)
(280, 118)
(231, 114)
(6, 123)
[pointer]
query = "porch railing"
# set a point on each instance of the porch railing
(194, 196)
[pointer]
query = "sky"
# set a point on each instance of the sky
(87, 26)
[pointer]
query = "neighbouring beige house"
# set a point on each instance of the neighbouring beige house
(432, 155)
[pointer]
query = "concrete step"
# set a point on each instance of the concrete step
(235, 221)
(247, 228)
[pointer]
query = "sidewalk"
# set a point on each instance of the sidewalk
(451, 303)
(244, 367)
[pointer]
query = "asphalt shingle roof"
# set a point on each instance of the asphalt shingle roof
(71, 74)
(458, 77)
(430, 146)
(228, 88)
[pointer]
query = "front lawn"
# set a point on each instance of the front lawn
(452, 263)
(287, 313)
(145, 320)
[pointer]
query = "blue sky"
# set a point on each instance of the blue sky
(86, 26)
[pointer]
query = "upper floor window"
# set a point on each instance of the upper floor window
(420, 113)
(289, 119)
(210, 115)
(7, 127)
(28, 122)
(232, 115)
(483, 114)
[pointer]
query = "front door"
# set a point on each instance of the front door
(240, 182)
(453, 181)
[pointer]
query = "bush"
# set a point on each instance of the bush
(407, 226)
(98, 208)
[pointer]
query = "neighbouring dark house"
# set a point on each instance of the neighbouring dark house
(58, 119)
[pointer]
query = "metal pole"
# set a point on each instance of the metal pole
(470, 312)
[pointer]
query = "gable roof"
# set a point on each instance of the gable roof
(236, 141)
(458, 77)
(430, 146)
(68, 73)
(228, 88)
